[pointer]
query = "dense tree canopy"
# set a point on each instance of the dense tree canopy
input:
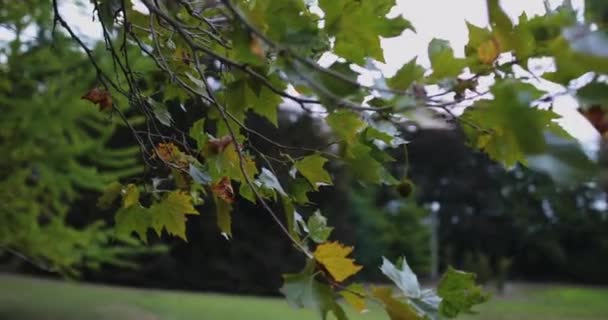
(195, 73)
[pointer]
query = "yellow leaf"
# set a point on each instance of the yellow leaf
(354, 295)
(171, 212)
(396, 309)
(488, 51)
(332, 256)
(131, 196)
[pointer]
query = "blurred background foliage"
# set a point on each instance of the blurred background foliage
(55, 149)
(59, 152)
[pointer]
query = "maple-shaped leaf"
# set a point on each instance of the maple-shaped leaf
(170, 214)
(332, 256)
(311, 167)
(223, 190)
(99, 96)
(133, 219)
(459, 293)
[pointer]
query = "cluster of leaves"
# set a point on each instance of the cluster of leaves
(456, 292)
(235, 58)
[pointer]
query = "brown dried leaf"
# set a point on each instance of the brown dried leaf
(223, 190)
(99, 96)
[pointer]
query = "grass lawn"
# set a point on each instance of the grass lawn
(24, 298)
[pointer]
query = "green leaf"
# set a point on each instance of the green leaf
(199, 85)
(240, 96)
(170, 214)
(408, 74)
(443, 62)
(318, 230)
(160, 112)
(366, 167)
(311, 167)
(269, 180)
(224, 217)
(302, 291)
(241, 46)
(110, 194)
(346, 125)
(299, 191)
(266, 103)
(358, 25)
(197, 132)
(507, 127)
(477, 36)
(335, 85)
(597, 11)
(288, 22)
(133, 219)
(459, 293)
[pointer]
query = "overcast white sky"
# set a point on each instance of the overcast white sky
(432, 19)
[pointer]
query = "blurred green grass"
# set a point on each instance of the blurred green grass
(23, 298)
